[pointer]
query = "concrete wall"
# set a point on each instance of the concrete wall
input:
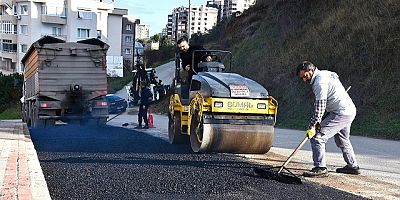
(115, 24)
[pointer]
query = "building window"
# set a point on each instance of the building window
(57, 31)
(99, 34)
(23, 29)
(84, 14)
(3, 9)
(24, 9)
(8, 27)
(83, 33)
(8, 46)
(128, 51)
(24, 48)
(128, 38)
(129, 27)
(53, 11)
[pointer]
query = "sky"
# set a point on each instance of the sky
(154, 12)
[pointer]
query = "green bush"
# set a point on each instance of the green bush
(10, 90)
(11, 112)
(116, 83)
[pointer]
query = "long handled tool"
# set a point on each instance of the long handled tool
(280, 175)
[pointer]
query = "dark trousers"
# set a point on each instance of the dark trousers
(143, 114)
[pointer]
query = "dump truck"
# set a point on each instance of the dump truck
(65, 81)
(223, 112)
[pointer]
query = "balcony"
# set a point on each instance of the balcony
(8, 54)
(11, 18)
(6, 36)
(120, 11)
(53, 15)
(52, 19)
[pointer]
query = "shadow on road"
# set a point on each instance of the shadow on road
(101, 139)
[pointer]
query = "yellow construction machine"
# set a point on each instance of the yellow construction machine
(222, 112)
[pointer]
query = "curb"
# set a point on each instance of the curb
(21, 176)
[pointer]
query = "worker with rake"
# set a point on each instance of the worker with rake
(332, 98)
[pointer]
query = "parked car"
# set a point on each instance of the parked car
(116, 104)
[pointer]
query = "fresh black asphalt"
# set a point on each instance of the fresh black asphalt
(82, 162)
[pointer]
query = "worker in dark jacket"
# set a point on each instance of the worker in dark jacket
(145, 99)
(189, 67)
(186, 56)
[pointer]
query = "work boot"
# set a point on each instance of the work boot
(316, 172)
(349, 170)
(146, 127)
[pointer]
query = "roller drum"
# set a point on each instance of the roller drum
(232, 138)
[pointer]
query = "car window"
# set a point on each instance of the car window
(112, 98)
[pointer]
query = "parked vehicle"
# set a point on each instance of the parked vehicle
(65, 81)
(116, 104)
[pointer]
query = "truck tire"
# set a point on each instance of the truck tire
(36, 122)
(101, 121)
(174, 130)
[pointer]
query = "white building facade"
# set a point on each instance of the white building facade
(142, 31)
(70, 20)
(236, 7)
(200, 20)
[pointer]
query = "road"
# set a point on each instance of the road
(115, 162)
(379, 159)
(166, 72)
(121, 162)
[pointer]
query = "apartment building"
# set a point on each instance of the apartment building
(130, 50)
(168, 27)
(142, 31)
(218, 4)
(24, 22)
(201, 20)
(236, 7)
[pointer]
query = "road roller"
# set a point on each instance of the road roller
(217, 111)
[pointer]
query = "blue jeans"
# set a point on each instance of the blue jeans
(337, 126)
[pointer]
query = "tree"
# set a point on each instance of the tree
(155, 38)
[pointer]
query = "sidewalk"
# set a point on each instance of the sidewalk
(21, 176)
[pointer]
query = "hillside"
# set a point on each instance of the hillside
(358, 39)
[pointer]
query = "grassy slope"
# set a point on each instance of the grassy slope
(12, 112)
(358, 39)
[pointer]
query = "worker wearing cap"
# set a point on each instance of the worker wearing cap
(332, 98)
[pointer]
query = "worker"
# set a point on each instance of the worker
(186, 56)
(145, 99)
(332, 98)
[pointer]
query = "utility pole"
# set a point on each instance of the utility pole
(189, 24)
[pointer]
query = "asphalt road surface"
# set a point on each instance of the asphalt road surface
(109, 162)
